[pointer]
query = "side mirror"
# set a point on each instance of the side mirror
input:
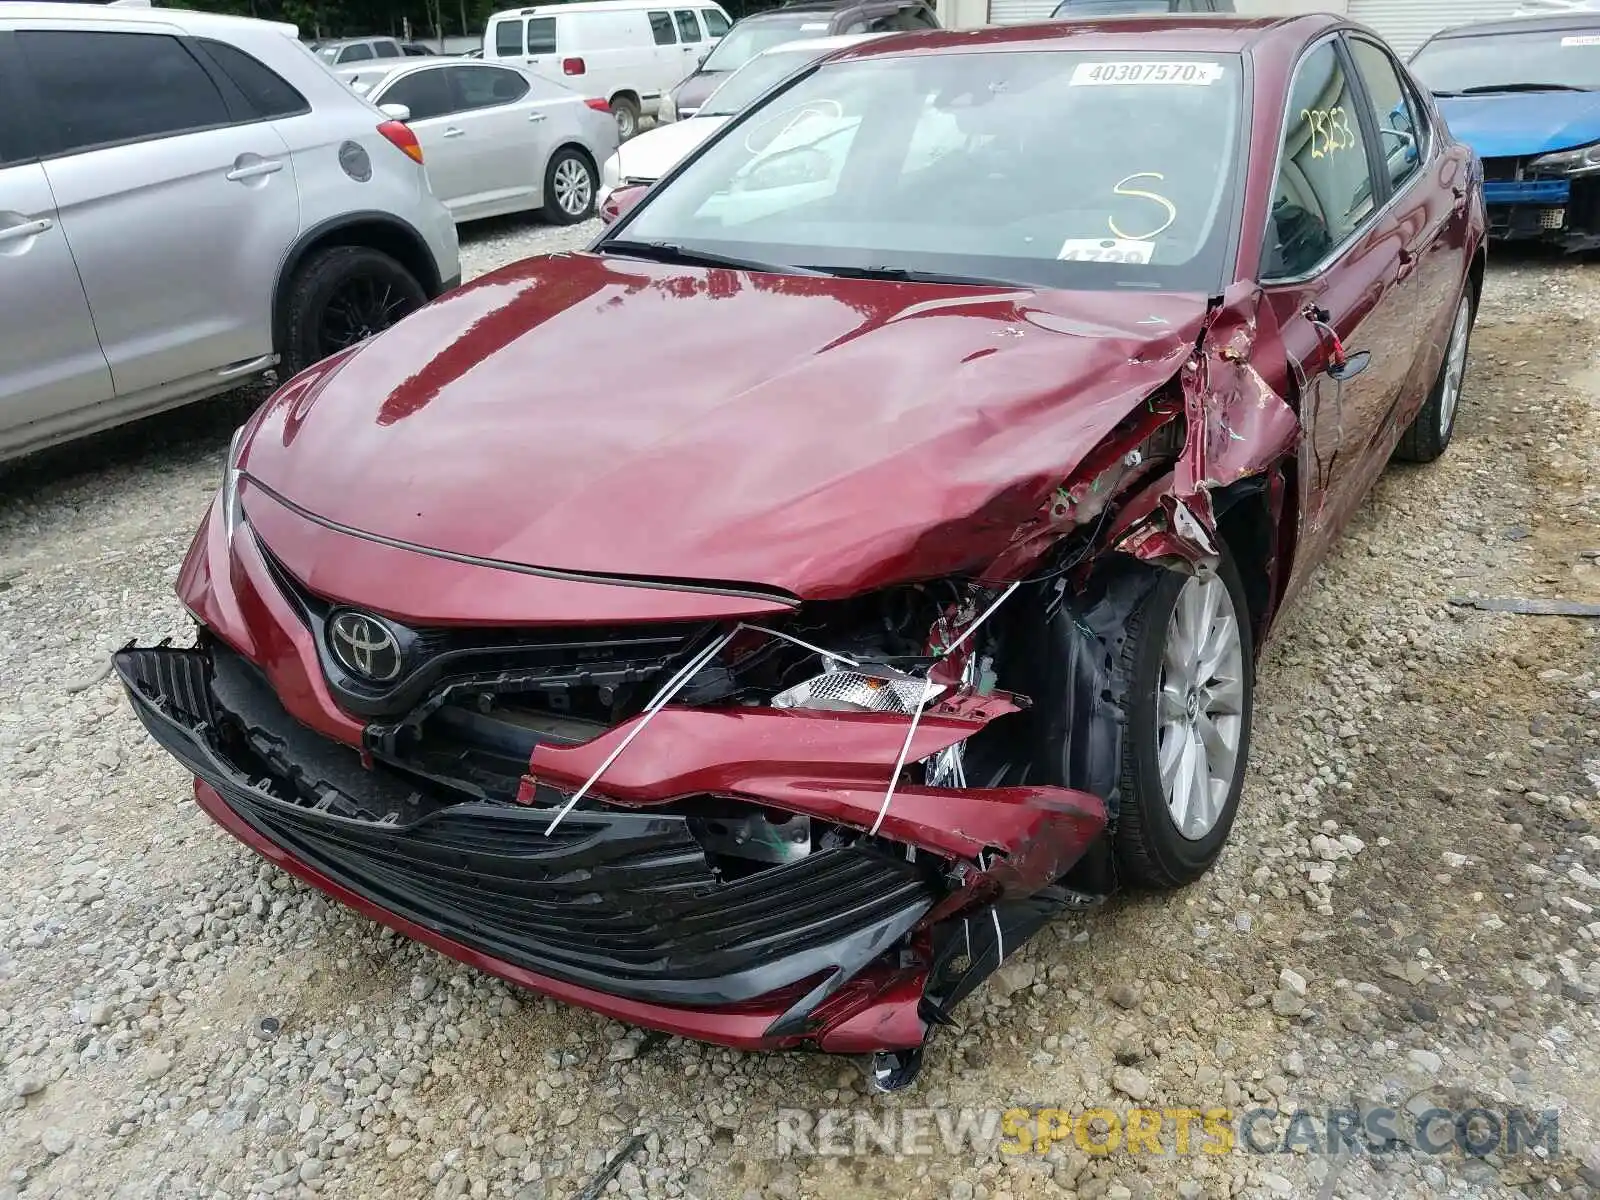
(619, 202)
(398, 111)
(701, 61)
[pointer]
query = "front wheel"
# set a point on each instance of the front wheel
(569, 188)
(340, 296)
(1188, 663)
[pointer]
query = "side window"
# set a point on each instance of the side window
(389, 50)
(485, 87)
(887, 23)
(716, 23)
(661, 28)
(541, 35)
(1324, 186)
(855, 27)
(922, 18)
(426, 93)
(98, 88)
(508, 41)
(269, 94)
(1400, 125)
(357, 53)
(688, 26)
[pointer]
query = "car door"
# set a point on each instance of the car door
(177, 209)
(1430, 214)
(449, 155)
(716, 23)
(1331, 272)
(692, 44)
(50, 359)
(503, 135)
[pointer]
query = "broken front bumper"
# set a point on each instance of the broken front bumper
(1559, 212)
(851, 949)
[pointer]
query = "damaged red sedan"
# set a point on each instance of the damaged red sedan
(758, 625)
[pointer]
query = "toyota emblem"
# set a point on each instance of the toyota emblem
(365, 647)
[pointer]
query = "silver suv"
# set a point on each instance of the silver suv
(187, 200)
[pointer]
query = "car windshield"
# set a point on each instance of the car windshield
(329, 54)
(1040, 168)
(1559, 59)
(749, 38)
(756, 76)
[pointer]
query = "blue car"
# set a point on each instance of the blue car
(1525, 94)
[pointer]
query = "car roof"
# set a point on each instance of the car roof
(186, 19)
(1538, 24)
(1205, 33)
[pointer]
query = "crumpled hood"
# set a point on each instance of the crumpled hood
(815, 435)
(1514, 124)
(651, 154)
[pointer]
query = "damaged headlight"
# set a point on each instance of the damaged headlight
(860, 691)
(1581, 160)
(230, 484)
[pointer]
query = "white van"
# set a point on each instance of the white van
(629, 52)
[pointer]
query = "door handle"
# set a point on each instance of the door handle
(255, 170)
(28, 229)
(452, 131)
(535, 116)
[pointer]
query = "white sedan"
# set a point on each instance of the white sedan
(497, 139)
(648, 156)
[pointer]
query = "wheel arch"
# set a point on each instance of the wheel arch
(379, 231)
(1256, 519)
(628, 94)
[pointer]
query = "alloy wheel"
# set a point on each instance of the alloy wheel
(573, 187)
(1200, 705)
(1455, 367)
(360, 307)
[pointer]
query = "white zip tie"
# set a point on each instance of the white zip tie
(899, 764)
(999, 939)
(672, 687)
(987, 613)
(787, 637)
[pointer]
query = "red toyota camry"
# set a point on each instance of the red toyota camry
(757, 625)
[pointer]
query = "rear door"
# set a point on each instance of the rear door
(50, 359)
(177, 206)
(1331, 271)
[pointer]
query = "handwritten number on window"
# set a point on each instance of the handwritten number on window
(1330, 130)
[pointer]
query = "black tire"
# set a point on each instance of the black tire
(626, 110)
(340, 296)
(1429, 433)
(1150, 850)
(563, 161)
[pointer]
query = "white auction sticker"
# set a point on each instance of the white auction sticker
(1123, 250)
(1110, 73)
(1587, 39)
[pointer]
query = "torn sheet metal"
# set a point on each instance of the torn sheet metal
(1237, 426)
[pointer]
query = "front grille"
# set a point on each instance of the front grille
(587, 671)
(625, 902)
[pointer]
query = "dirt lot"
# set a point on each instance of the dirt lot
(1409, 914)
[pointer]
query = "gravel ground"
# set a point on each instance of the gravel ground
(1407, 913)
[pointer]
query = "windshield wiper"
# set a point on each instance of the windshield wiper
(1481, 89)
(672, 252)
(906, 275)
